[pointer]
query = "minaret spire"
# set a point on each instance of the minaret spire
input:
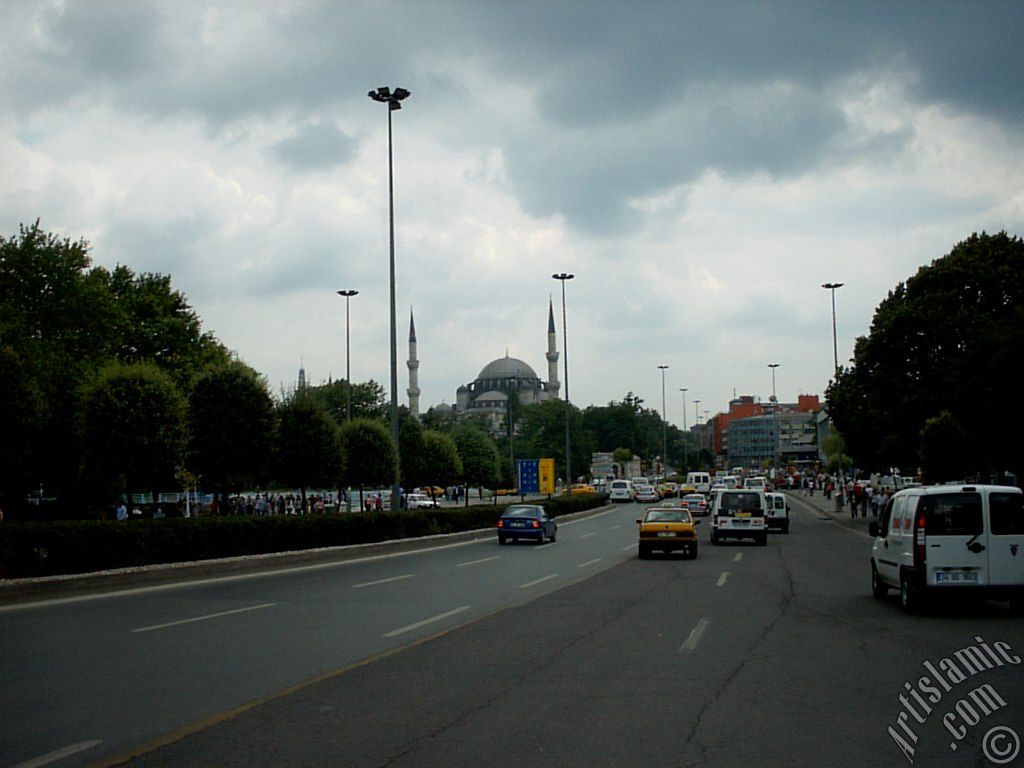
(553, 384)
(414, 367)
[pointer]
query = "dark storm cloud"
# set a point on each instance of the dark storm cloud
(315, 147)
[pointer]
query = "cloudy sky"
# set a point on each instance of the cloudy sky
(702, 168)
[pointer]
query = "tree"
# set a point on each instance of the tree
(232, 427)
(949, 339)
(307, 451)
(412, 464)
(21, 413)
(370, 454)
(369, 400)
(543, 436)
(440, 459)
(133, 429)
(942, 454)
(478, 454)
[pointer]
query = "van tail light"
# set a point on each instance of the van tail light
(920, 542)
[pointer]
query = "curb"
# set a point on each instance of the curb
(14, 591)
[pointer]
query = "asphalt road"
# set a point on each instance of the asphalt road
(574, 653)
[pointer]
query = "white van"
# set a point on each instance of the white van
(699, 481)
(620, 490)
(951, 538)
(777, 514)
(759, 483)
(739, 514)
(728, 481)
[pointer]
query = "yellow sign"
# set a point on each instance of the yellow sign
(547, 475)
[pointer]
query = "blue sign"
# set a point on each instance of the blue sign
(528, 475)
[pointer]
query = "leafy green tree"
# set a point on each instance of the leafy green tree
(948, 339)
(232, 428)
(133, 428)
(478, 454)
(440, 459)
(942, 454)
(412, 464)
(543, 436)
(21, 413)
(369, 401)
(307, 451)
(369, 452)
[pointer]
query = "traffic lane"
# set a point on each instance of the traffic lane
(606, 659)
(149, 661)
(603, 672)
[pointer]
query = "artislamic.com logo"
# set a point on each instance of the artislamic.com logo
(921, 699)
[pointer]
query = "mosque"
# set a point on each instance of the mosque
(488, 394)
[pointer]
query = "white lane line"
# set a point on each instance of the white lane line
(739, 556)
(425, 622)
(382, 581)
(722, 578)
(203, 618)
(587, 535)
(691, 642)
(615, 528)
(629, 546)
(589, 562)
(58, 754)
(538, 581)
(477, 562)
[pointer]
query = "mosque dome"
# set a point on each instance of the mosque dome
(506, 367)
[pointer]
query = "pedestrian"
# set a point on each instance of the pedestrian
(122, 511)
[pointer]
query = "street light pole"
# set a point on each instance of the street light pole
(384, 95)
(775, 412)
(664, 427)
(348, 380)
(686, 451)
(835, 358)
(563, 276)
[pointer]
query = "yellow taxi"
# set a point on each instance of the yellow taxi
(580, 489)
(667, 529)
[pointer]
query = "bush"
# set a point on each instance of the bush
(37, 548)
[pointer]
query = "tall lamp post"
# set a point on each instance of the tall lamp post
(775, 413)
(664, 427)
(348, 380)
(511, 451)
(835, 358)
(394, 101)
(562, 277)
(686, 451)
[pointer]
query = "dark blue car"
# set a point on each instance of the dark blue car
(526, 521)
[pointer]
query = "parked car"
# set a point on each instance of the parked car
(696, 504)
(777, 514)
(948, 539)
(581, 489)
(739, 514)
(667, 529)
(526, 521)
(419, 501)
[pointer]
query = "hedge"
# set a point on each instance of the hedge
(29, 549)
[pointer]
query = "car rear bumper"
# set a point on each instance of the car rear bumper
(668, 545)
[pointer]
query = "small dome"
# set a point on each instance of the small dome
(505, 367)
(442, 408)
(491, 395)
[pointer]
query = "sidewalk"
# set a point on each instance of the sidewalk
(826, 508)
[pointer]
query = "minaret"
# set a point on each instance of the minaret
(553, 384)
(414, 374)
(302, 375)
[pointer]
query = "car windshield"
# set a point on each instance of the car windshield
(668, 516)
(694, 499)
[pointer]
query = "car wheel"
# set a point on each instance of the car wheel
(1017, 604)
(714, 539)
(763, 541)
(641, 552)
(693, 552)
(554, 533)
(785, 527)
(909, 598)
(502, 539)
(878, 587)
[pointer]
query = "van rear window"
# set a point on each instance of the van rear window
(1007, 513)
(951, 514)
(740, 502)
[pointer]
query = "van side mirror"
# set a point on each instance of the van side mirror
(873, 529)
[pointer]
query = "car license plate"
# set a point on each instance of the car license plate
(741, 523)
(956, 577)
(517, 524)
(742, 514)
(667, 534)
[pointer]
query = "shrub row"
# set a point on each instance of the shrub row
(31, 549)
